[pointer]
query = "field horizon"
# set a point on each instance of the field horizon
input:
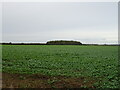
(66, 44)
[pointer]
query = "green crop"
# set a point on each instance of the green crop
(98, 62)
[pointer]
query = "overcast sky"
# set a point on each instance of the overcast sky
(88, 22)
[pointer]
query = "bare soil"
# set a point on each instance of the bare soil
(42, 81)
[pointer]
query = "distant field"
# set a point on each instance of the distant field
(95, 63)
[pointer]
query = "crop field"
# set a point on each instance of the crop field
(71, 65)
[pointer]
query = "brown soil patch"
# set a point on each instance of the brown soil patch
(42, 81)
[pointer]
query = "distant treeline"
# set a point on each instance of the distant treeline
(101, 44)
(23, 43)
(62, 42)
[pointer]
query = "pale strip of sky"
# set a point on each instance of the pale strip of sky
(59, 0)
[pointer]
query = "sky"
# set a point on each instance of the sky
(87, 22)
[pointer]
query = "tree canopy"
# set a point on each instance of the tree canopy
(63, 42)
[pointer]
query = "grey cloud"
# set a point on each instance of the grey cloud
(43, 21)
